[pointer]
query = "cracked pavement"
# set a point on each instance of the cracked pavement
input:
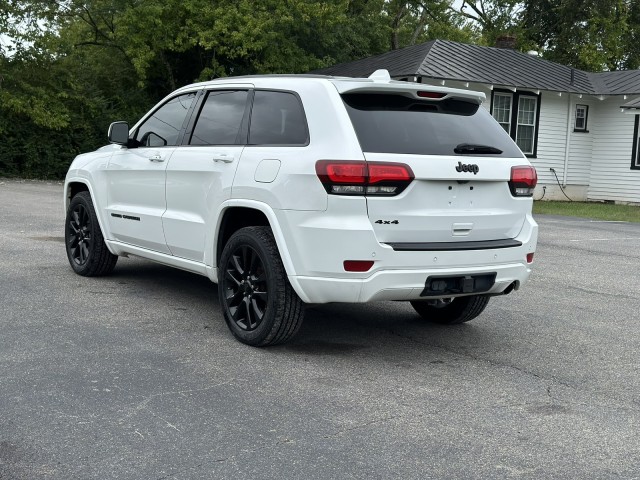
(135, 375)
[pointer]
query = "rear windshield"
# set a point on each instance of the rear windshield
(387, 123)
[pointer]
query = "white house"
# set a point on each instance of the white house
(569, 122)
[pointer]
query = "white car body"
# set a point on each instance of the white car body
(167, 203)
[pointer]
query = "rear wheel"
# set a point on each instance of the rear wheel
(259, 305)
(451, 311)
(87, 253)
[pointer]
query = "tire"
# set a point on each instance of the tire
(259, 304)
(87, 253)
(459, 310)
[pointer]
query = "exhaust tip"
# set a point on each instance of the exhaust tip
(513, 286)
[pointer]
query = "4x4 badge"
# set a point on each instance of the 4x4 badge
(472, 167)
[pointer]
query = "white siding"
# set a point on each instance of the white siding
(552, 137)
(552, 141)
(581, 145)
(611, 174)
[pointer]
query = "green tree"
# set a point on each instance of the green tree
(494, 18)
(418, 21)
(592, 35)
(73, 66)
(56, 101)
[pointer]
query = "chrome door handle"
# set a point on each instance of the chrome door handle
(156, 158)
(223, 157)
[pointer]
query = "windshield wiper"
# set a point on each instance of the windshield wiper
(477, 149)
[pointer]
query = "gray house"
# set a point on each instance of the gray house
(570, 123)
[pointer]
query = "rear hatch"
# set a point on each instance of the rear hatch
(461, 159)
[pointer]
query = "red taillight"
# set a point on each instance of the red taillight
(358, 265)
(349, 177)
(424, 94)
(384, 172)
(346, 172)
(523, 181)
(529, 257)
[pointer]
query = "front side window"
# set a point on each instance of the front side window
(162, 128)
(582, 112)
(277, 118)
(220, 118)
(518, 114)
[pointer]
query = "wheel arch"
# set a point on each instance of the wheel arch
(73, 188)
(236, 214)
(75, 185)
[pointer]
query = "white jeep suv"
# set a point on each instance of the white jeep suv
(287, 190)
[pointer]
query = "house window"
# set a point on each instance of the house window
(502, 110)
(582, 112)
(518, 113)
(526, 131)
(635, 152)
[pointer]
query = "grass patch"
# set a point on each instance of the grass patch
(597, 211)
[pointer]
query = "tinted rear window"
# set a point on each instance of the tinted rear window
(388, 123)
(277, 118)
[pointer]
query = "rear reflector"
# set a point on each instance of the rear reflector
(347, 190)
(358, 265)
(523, 181)
(355, 177)
(529, 257)
(424, 94)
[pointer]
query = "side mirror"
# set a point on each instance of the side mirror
(119, 133)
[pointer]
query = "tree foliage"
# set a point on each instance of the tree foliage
(70, 67)
(419, 21)
(593, 35)
(493, 17)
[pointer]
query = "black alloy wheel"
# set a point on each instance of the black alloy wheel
(80, 236)
(245, 287)
(258, 303)
(86, 249)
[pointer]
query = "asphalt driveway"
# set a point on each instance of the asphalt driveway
(135, 376)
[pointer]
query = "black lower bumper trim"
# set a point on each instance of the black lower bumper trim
(439, 286)
(454, 246)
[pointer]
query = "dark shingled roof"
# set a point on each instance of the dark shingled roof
(404, 62)
(618, 83)
(445, 60)
(633, 104)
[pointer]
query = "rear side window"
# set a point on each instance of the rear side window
(220, 118)
(387, 123)
(277, 118)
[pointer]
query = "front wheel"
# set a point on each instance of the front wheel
(259, 305)
(451, 311)
(87, 253)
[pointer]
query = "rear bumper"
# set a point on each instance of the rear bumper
(398, 284)
(318, 245)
